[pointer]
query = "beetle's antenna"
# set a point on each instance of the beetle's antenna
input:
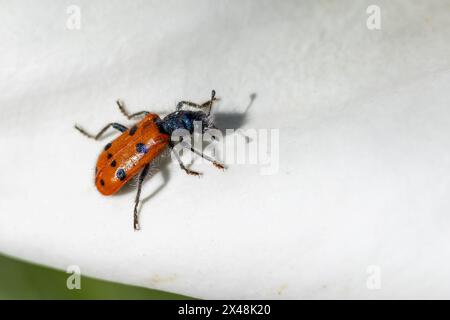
(213, 95)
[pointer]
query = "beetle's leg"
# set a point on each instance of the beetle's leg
(115, 125)
(141, 178)
(207, 104)
(124, 111)
(204, 156)
(213, 96)
(182, 166)
(188, 103)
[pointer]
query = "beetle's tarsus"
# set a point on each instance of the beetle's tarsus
(190, 172)
(219, 165)
(193, 173)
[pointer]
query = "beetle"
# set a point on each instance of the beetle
(132, 152)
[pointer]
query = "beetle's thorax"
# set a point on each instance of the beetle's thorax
(183, 119)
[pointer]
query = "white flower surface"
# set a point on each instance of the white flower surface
(359, 206)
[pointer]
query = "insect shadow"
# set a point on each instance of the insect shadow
(158, 167)
(222, 120)
(232, 120)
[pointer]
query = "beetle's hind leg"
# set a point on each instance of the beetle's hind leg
(97, 136)
(129, 116)
(141, 179)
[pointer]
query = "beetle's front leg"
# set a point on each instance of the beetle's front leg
(182, 166)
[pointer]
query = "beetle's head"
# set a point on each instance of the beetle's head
(187, 120)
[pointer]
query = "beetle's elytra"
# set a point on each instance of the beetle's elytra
(131, 153)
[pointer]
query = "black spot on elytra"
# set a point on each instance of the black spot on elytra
(108, 146)
(102, 182)
(133, 130)
(109, 155)
(113, 163)
(141, 148)
(120, 174)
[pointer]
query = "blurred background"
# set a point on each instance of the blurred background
(21, 280)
